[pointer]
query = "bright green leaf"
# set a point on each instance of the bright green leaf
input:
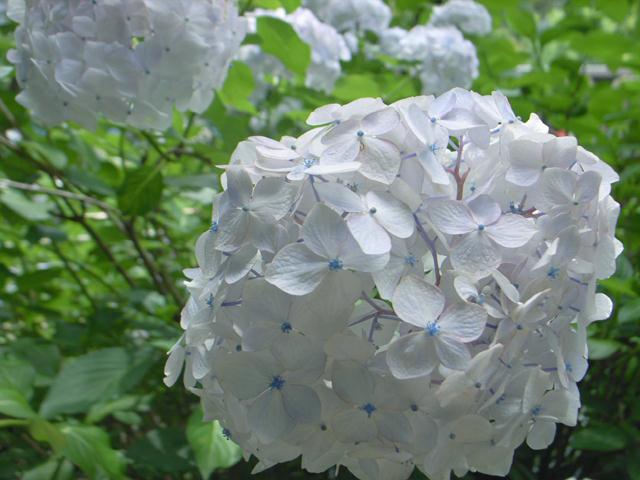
(34, 210)
(86, 380)
(141, 191)
(210, 447)
(238, 87)
(280, 40)
(14, 404)
(90, 449)
(356, 86)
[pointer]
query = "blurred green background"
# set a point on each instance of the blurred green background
(90, 280)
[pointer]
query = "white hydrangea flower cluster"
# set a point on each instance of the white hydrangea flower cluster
(131, 61)
(444, 58)
(468, 16)
(353, 15)
(401, 286)
(328, 49)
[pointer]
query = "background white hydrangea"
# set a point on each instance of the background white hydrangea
(444, 58)
(468, 16)
(328, 49)
(401, 286)
(130, 61)
(353, 16)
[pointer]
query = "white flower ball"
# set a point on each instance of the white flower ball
(401, 286)
(467, 15)
(353, 15)
(328, 49)
(444, 58)
(130, 61)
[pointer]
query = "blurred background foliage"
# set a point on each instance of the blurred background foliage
(96, 227)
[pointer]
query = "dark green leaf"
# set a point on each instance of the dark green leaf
(602, 438)
(141, 191)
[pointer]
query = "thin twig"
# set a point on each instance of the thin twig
(432, 246)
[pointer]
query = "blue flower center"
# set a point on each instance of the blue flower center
(432, 329)
(481, 227)
(226, 433)
(277, 383)
(368, 408)
(411, 260)
(309, 162)
(214, 227)
(286, 327)
(210, 300)
(373, 210)
(335, 264)
(553, 272)
(535, 411)
(360, 133)
(433, 147)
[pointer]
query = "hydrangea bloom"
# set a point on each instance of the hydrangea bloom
(467, 15)
(444, 58)
(130, 61)
(328, 49)
(401, 286)
(352, 15)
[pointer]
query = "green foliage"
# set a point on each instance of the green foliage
(97, 227)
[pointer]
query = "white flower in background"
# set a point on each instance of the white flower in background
(468, 16)
(328, 49)
(130, 61)
(444, 58)
(401, 286)
(352, 15)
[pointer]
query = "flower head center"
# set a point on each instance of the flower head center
(368, 408)
(335, 264)
(277, 383)
(432, 329)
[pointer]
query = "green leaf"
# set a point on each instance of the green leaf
(629, 312)
(291, 5)
(101, 410)
(53, 469)
(90, 449)
(238, 87)
(25, 207)
(44, 431)
(355, 86)
(46, 153)
(86, 380)
(14, 404)
(600, 349)
(141, 191)
(601, 438)
(210, 447)
(280, 40)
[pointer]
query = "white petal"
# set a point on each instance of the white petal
(433, 168)
(412, 356)
(273, 198)
(372, 238)
(325, 232)
(464, 322)
(452, 353)
(485, 209)
(239, 186)
(475, 253)
(393, 426)
(354, 426)
(301, 403)
(380, 122)
(450, 216)
(343, 152)
(268, 418)
(557, 187)
(512, 230)
(471, 428)
(173, 367)
(541, 435)
(417, 302)
(340, 197)
(233, 229)
(238, 374)
(297, 270)
(352, 382)
(380, 160)
(391, 213)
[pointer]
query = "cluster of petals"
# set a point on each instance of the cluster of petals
(353, 15)
(401, 286)
(328, 49)
(468, 16)
(131, 61)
